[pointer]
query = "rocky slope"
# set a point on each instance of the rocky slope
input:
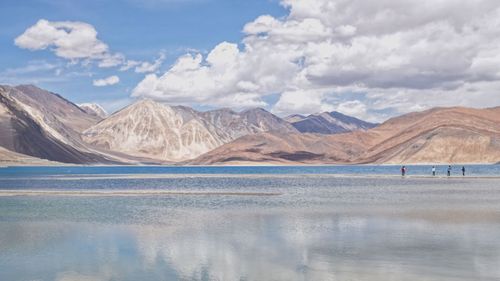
(276, 148)
(442, 135)
(41, 124)
(328, 123)
(8, 158)
(176, 133)
(251, 121)
(151, 129)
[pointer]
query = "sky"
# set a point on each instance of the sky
(369, 59)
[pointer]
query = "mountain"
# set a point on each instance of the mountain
(276, 148)
(8, 157)
(328, 123)
(176, 133)
(42, 124)
(251, 121)
(36, 124)
(441, 135)
(53, 108)
(150, 129)
(94, 109)
(294, 118)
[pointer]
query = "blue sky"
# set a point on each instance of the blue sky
(138, 29)
(369, 59)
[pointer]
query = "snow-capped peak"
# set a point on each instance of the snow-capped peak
(94, 109)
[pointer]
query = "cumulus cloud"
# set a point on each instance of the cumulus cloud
(227, 76)
(396, 55)
(70, 40)
(111, 80)
(77, 41)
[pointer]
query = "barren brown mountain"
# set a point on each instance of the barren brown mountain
(44, 125)
(8, 157)
(440, 135)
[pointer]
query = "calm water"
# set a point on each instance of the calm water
(247, 223)
(478, 170)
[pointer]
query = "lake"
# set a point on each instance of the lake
(248, 223)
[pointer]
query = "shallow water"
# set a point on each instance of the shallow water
(27, 171)
(281, 226)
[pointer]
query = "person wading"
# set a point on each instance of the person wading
(433, 170)
(463, 171)
(449, 170)
(403, 171)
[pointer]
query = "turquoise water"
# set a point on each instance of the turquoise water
(241, 225)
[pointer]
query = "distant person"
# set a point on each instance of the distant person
(463, 171)
(403, 171)
(449, 170)
(433, 170)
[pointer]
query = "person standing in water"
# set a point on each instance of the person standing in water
(449, 170)
(403, 171)
(433, 170)
(463, 171)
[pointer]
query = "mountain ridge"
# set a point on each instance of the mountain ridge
(183, 132)
(27, 127)
(440, 135)
(328, 123)
(42, 124)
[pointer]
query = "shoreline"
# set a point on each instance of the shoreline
(244, 175)
(249, 164)
(126, 193)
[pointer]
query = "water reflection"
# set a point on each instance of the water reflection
(319, 228)
(275, 246)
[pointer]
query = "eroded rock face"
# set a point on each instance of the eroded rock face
(176, 133)
(154, 130)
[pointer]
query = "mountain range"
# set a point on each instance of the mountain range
(328, 123)
(39, 127)
(440, 135)
(177, 133)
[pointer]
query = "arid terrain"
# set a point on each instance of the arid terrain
(37, 126)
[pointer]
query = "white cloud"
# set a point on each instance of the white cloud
(109, 60)
(227, 76)
(111, 80)
(69, 40)
(398, 55)
(129, 64)
(146, 67)
(78, 42)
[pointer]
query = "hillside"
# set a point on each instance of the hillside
(41, 124)
(441, 135)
